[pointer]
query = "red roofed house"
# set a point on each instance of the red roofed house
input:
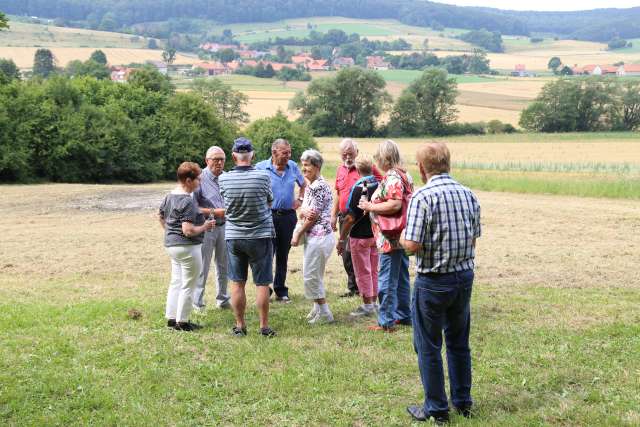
(520, 71)
(277, 66)
(603, 70)
(212, 68)
(301, 58)
(377, 63)
(588, 69)
(250, 63)
(343, 62)
(317, 65)
(121, 74)
(628, 70)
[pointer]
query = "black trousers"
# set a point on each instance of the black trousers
(347, 263)
(284, 222)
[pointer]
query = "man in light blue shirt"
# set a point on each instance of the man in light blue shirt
(209, 198)
(284, 174)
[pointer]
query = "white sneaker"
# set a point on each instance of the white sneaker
(362, 311)
(200, 311)
(312, 313)
(321, 318)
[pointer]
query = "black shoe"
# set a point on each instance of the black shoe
(187, 326)
(239, 332)
(349, 294)
(465, 411)
(171, 323)
(267, 332)
(418, 414)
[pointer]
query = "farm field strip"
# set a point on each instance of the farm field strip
(32, 35)
(23, 56)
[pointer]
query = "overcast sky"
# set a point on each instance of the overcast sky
(545, 4)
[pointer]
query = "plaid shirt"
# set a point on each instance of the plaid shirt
(445, 217)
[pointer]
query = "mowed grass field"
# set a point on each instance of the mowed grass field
(554, 337)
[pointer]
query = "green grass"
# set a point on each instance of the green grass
(564, 184)
(84, 362)
(634, 49)
(408, 76)
(241, 82)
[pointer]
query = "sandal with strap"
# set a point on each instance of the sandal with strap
(239, 332)
(268, 332)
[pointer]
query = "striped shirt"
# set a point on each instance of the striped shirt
(208, 194)
(444, 217)
(247, 195)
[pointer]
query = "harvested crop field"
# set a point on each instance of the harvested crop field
(23, 56)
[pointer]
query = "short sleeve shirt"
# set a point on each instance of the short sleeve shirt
(247, 195)
(390, 188)
(318, 198)
(444, 217)
(176, 208)
(283, 186)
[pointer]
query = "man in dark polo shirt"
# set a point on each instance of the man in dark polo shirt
(443, 223)
(285, 175)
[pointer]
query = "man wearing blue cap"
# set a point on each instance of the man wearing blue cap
(249, 232)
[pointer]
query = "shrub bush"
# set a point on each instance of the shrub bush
(263, 132)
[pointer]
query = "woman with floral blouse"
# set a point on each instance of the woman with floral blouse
(315, 229)
(393, 275)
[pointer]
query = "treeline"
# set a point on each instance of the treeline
(87, 130)
(491, 41)
(125, 13)
(475, 63)
(333, 38)
(585, 105)
(598, 25)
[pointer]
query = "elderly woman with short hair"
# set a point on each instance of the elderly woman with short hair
(315, 229)
(183, 225)
(393, 275)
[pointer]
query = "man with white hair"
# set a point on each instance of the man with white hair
(209, 200)
(249, 232)
(346, 177)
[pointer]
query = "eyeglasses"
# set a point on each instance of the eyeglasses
(216, 159)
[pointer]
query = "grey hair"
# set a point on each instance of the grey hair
(243, 157)
(312, 156)
(212, 149)
(388, 155)
(279, 141)
(348, 143)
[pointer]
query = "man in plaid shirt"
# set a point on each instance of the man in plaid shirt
(443, 222)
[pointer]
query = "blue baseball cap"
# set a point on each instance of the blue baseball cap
(242, 145)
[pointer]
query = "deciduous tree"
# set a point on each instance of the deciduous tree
(348, 104)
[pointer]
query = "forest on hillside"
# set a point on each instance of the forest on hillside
(600, 25)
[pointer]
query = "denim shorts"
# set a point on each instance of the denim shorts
(257, 253)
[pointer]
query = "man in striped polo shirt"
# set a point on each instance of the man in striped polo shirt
(443, 222)
(249, 231)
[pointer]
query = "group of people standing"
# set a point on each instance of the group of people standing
(250, 217)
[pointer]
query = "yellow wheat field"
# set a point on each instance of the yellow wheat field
(23, 56)
(511, 148)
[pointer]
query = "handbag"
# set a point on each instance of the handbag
(391, 226)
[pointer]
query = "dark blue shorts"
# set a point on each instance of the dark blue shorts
(257, 253)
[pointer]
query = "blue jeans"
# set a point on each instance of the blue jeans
(442, 301)
(394, 288)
